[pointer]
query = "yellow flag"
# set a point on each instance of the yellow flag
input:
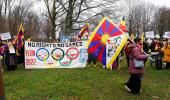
(132, 37)
(142, 39)
(29, 39)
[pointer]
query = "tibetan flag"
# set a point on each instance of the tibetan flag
(122, 25)
(97, 43)
(19, 37)
(83, 30)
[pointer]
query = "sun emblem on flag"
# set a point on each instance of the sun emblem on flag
(104, 38)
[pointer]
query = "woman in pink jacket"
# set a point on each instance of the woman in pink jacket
(136, 69)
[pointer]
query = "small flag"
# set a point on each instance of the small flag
(83, 30)
(19, 39)
(29, 39)
(122, 25)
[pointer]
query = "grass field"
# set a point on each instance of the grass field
(86, 84)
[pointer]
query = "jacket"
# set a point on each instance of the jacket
(135, 53)
(166, 52)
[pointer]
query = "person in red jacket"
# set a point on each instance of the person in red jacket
(136, 73)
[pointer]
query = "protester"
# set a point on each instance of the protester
(145, 49)
(20, 55)
(1, 51)
(10, 56)
(155, 47)
(91, 59)
(136, 57)
(166, 52)
(115, 64)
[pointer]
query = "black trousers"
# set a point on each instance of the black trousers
(11, 67)
(91, 61)
(134, 83)
(167, 65)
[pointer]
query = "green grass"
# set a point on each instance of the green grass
(85, 84)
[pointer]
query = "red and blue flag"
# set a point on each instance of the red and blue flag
(20, 35)
(122, 25)
(97, 42)
(83, 30)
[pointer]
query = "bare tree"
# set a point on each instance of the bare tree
(17, 12)
(139, 15)
(162, 19)
(67, 13)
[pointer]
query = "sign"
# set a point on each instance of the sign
(55, 55)
(166, 35)
(157, 36)
(149, 41)
(11, 48)
(149, 34)
(5, 36)
(64, 39)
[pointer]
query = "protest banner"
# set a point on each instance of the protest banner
(55, 55)
(166, 35)
(5, 36)
(64, 39)
(149, 34)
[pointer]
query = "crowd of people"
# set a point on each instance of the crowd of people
(11, 55)
(137, 52)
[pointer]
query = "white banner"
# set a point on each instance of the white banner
(5, 36)
(149, 34)
(55, 55)
(166, 35)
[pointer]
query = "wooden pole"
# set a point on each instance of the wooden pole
(2, 93)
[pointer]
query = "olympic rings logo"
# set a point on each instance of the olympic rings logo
(42, 54)
(66, 61)
(58, 54)
(72, 53)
